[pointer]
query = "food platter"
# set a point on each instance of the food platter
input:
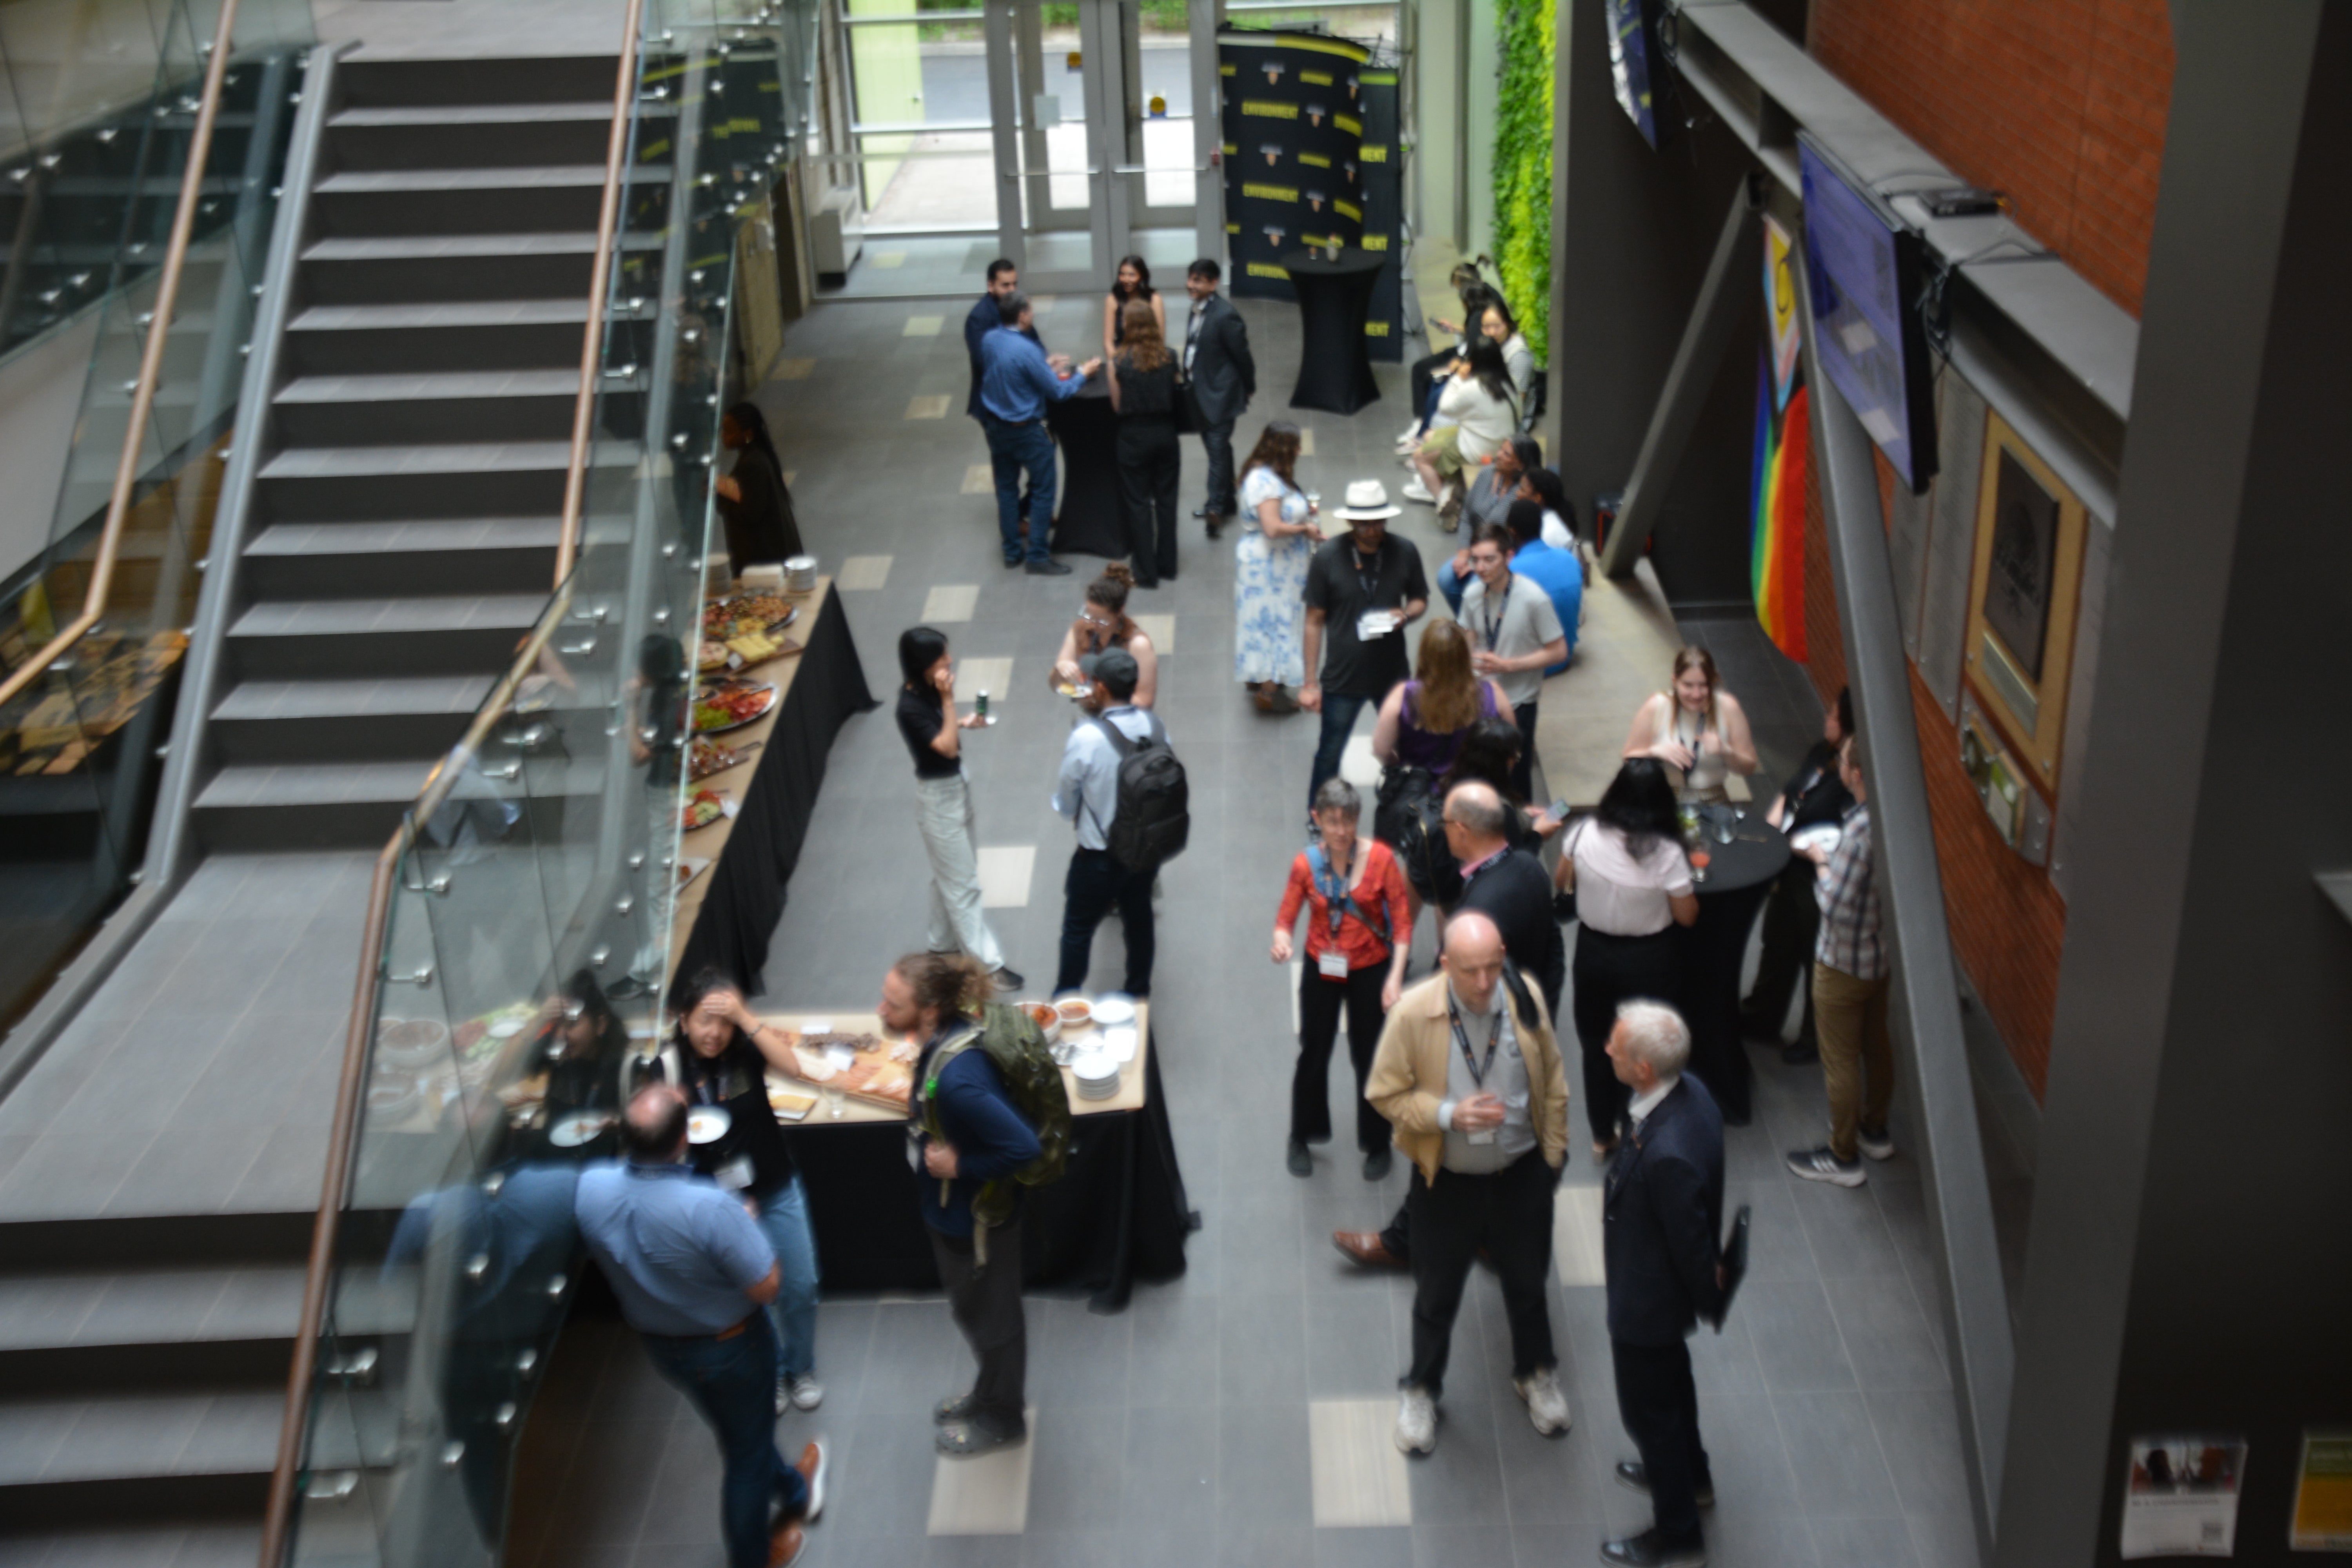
(701, 809)
(730, 705)
(864, 1067)
(689, 867)
(709, 757)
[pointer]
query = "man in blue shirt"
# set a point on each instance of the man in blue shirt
(1087, 793)
(1016, 382)
(692, 1270)
(1003, 279)
(1557, 572)
(980, 1137)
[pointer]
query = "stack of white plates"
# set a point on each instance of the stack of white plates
(1097, 1074)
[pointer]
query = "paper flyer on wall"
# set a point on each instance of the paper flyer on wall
(2181, 1496)
(2323, 1494)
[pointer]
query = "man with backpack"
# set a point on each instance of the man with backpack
(1124, 790)
(973, 1148)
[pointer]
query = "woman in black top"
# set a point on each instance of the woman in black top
(753, 501)
(1813, 794)
(1130, 282)
(1143, 393)
(928, 722)
(718, 1056)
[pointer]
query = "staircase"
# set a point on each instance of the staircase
(408, 497)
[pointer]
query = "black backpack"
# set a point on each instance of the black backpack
(1154, 815)
(1409, 819)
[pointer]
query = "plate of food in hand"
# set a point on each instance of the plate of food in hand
(704, 808)
(579, 1127)
(706, 1123)
(730, 705)
(710, 757)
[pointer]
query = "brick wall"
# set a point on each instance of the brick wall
(2060, 103)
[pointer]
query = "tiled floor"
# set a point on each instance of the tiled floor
(1238, 1414)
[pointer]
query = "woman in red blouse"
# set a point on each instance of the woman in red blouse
(1356, 904)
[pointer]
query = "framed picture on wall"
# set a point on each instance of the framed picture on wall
(2023, 598)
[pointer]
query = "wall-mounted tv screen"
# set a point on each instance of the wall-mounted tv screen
(1630, 51)
(1865, 270)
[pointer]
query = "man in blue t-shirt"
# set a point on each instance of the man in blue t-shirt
(980, 1137)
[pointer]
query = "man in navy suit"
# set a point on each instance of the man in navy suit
(1662, 1225)
(1223, 378)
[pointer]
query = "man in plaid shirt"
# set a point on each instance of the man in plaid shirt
(1850, 984)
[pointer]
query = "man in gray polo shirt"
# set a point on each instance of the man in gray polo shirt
(693, 1269)
(1515, 635)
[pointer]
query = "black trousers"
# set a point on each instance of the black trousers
(1425, 373)
(1792, 919)
(1509, 1215)
(1217, 442)
(1659, 1404)
(1095, 883)
(986, 1300)
(1523, 777)
(1319, 1024)
(1149, 461)
(1609, 970)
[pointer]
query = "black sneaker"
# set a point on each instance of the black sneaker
(1049, 567)
(1878, 1146)
(1631, 1473)
(1376, 1164)
(1651, 1550)
(1300, 1162)
(1008, 978)
(1821, 1166)
(1798, 1053)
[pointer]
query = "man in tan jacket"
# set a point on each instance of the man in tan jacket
(1469, 1074)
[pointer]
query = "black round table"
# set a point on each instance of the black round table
(1335, 367)
(1739, 877)
(1086, 518)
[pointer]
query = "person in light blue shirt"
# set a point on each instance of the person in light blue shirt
(1017, 381)
(1087, 792)
(692, 1269)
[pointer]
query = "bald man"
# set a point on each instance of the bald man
(1469, 1073)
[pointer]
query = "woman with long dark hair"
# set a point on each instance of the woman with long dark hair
(753, 504)
(1475, 414)
(929, 723)
(1143, 378)
(718, 1056)
(1131, 285)
(1631, 880)
(1278, 534)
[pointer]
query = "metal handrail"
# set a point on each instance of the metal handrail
(592, 341)
(151, 370)
(334, 1186)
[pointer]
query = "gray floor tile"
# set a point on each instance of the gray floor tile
(1171, 1465)
(1796, 1337)
(1835, 1457)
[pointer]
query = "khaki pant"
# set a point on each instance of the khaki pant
(1857, 1056)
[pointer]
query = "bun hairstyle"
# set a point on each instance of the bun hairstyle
(953, 984)
(1110, 590)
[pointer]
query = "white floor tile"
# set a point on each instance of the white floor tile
(986, 1495)
(1306, 440)
(950, 602)
(974, 676)
(1576, 1234)
(980, 479)
(793, 369)
(934, 406)
(923, 326)
(1161, 630)
(1359, 1473)
(865, 572)
(1005, 872)
(886, 258)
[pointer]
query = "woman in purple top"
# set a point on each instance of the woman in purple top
(1423, 720)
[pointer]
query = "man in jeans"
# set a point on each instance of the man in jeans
(1850, 982)
(1016, 383)
(693, 1272)
(1087, 794)
(1352, 660)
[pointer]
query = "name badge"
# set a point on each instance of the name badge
(1332, 964)
(1481, 1137)
(734, 1176)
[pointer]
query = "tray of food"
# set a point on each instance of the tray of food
(710, 757)
(689, 867)
(703, 808)
(730, 705)
(864, 1067)
(748, 612)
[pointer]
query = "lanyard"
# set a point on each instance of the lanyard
(1491, 618)
(1478, 1070)
(1369, 582)
(1332, 884)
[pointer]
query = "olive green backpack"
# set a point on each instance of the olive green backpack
(1033, 1080)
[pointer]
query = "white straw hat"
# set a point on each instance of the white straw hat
(1368, 501)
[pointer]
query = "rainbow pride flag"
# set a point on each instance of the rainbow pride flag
(1775, 559)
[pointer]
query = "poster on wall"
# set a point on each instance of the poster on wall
(1780, 309)
(2181, 1496)
(2321, 1521)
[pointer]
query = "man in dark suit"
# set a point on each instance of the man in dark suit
(1662, 1224)
(1223, 378)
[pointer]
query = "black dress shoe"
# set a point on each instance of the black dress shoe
(1296, 1158)
(1630, 1473)
(1200, 511)
(1048, 568)
(1651, 1550)
(1797, 1053)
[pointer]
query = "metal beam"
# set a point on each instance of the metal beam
(1714, 318)
(1926, 1011)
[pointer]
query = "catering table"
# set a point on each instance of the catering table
(1335, 366)
(1086, 521)
(727, 913)
(1118, 1215)
(1739, 877)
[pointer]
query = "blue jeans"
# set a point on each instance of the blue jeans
(1339, 714)
(732, 1382)
(785, 1220)
(1010, 449)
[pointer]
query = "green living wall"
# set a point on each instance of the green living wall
(1523, 167)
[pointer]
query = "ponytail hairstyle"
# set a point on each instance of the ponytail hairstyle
(952, 984)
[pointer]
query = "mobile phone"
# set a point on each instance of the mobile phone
(1559, 811)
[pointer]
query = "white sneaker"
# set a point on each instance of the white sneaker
(1416, 490)
(807, 1392)
(784, 1394)
(1409, 437)
(1879, 1145)
(1416, 1427)
(1546, 1405)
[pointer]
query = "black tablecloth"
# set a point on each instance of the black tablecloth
(1087, 520)
(1118, 1215)
(1335, 367)
(1739, 877)
(746, 897)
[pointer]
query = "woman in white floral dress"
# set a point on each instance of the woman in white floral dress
(1279, 539)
